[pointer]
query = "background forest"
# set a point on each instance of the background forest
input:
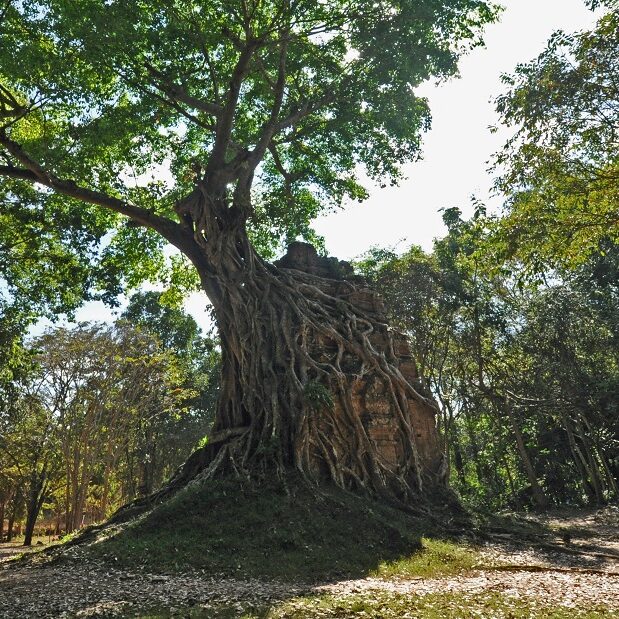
(102, 414)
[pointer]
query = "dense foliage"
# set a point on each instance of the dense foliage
(106, 414)
(526, 377)
(97, 98)
(560, 170)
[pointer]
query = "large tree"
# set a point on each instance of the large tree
(224, 128)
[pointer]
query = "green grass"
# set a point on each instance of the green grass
(380, 605)
(228, 529)
(436, 558)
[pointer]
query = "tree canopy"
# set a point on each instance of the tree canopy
(525, 375)
(125, 105)
(560, 170)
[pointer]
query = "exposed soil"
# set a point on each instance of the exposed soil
(586, 575)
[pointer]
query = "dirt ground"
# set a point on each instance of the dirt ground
(10, 549)
(576, 566)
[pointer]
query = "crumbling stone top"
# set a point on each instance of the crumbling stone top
(304, 257)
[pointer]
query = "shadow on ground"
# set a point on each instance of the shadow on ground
(226, 549)
(271, 531)
(577, 537)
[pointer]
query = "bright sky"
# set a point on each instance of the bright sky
(455, 151)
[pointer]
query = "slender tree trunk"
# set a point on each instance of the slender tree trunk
(458, 460)
(598, 450)
(480, 469)
(17, 504)
(73, 496)
(9, 531)
(11, 523)
(67, 490)
(592, 464)
(81, 494)
(538, 494)
(579, 460)
(510, 479)
(35, 500)
(105, 491)
(2, 503)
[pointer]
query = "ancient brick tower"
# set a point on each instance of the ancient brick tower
(371, 402)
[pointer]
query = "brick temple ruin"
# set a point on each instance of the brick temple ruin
(371, 401)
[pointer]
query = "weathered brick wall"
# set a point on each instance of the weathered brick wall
(370, 396)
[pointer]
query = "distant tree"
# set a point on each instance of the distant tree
(104, 417)
(176, 330)
(560, 170)
(31, 446)
(15, 359)
(525, 376)
(199, 363)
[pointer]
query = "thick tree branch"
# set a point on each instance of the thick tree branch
(35, 173)
(225, 121)
(271, 125)
(18, 173)
(287, 176)
(9, 106)
(178, 93)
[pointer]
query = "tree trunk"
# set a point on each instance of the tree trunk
(480, 467)
(2, 503)
(579, 460)
(592, 463)
(539, 497)
(11, 522)
(510, 480)
(458, 460)
(313, 378)
(32, 508)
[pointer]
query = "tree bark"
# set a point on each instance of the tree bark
(10, 524)
(32, 513)
(13, 515)
(579, 460)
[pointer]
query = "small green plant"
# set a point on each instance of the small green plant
(317, 396)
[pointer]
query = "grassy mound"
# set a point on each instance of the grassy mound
(227, 528)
